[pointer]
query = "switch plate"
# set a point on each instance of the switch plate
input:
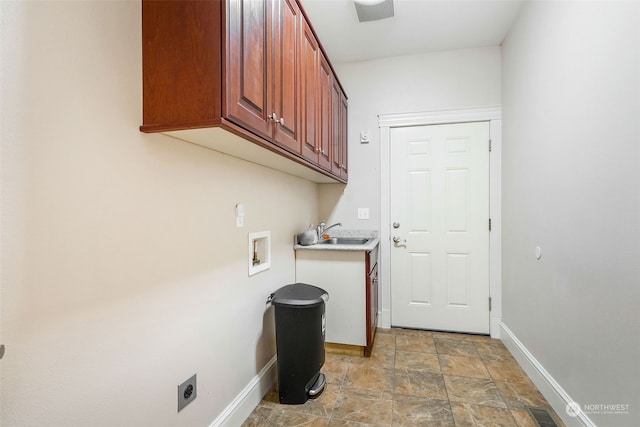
(239, 215)
(363, 213)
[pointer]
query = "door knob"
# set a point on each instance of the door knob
(397, 239)
(396, 225)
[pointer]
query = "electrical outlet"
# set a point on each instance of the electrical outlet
(363, 213)
(187, 392)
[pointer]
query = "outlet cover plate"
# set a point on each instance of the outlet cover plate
(363, 213)
(187, 392)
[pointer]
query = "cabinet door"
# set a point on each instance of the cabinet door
(372, 305)
(326, 91)
(309, 52)
(286, 105)
(344, 137)
(336, 129)
(247, 71)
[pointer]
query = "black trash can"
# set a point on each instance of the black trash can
(300, 327)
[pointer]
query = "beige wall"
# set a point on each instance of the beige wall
(571, 175)
(122, 270)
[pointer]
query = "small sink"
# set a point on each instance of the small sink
(344, 241)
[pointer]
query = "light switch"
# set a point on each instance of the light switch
(239, 215)
(363, 213)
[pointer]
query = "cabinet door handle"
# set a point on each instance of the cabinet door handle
(275, 118)
(317, 149)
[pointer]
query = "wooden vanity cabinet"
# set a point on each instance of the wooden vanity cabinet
(253, 68)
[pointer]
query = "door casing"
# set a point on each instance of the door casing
(493, 115)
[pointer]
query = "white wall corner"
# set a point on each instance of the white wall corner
(546, 384)
(247, 400)
(495, 327)
(384, 318)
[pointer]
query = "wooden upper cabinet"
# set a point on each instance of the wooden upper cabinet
(181, 77)
(262, 69)
(251, 67)
(336, 127)
(339, 129)
(343, 138)
(309, 70)
(326, 90)
(286, 98)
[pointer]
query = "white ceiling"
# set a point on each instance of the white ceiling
(418, 26)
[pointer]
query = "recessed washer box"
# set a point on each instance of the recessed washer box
(259, 252)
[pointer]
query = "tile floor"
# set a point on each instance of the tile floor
(415, 378)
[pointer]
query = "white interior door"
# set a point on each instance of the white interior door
(439, 211)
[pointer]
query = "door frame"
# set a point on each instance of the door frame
(491, 114)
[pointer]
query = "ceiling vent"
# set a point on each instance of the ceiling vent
(373, 10)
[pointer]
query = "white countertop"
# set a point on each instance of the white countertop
(371, 244)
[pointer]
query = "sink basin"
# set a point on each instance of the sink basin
(344, 241)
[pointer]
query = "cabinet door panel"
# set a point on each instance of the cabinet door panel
(344, 137)
(326, 90)
(372, 306)
(174, 61)
(308, 93)
(248, 62)
(286, 99)
(336, 129)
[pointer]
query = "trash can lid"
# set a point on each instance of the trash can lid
(299, 294)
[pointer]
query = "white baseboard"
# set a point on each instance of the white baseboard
(548, 386)
(247, 400)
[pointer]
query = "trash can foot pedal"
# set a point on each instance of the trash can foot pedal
(318, 386)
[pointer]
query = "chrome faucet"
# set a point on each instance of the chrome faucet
(322, 227)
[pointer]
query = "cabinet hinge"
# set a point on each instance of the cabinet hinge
(489, 145)
(489, 303)
(489, 224)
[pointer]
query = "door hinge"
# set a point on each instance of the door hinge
(489, 303)
(489, 224)
(489, 145)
